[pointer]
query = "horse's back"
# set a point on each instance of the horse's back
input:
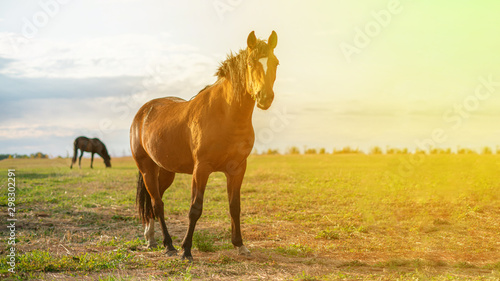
(164, 101)
(165, 121)
(97, 143)
(81, 142)
(174, 99)
(81, 138)
(167, 110)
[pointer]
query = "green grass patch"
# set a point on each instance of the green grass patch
(465, 265)
(43, 261)
(328, 234)
(354, 263)
(204, 241)
(305, 277)
(176, 269)
(295, 250)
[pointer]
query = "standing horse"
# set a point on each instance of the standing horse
(93, 146)
(211, 132)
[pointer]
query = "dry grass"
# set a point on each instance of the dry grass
(305, 217)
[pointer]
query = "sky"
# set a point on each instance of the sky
(399, 73)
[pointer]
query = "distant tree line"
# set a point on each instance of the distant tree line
(376, 150)
(37, 155)
(379, 151)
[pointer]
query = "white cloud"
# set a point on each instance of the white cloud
(120, 55)
(57, 89)
(33, 131)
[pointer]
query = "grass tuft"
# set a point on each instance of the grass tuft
(328, 234)
(204, 241)
(305, 277)
(295, 250)
(355, 263)
(464, 265)
(44, 261)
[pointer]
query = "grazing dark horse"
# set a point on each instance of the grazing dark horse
(93, 146)
(211, 132)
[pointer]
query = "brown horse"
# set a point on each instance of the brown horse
(211, 132)
(93, 146)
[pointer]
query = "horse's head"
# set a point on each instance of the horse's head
(105, 156)
(107, 162)
(261, 69)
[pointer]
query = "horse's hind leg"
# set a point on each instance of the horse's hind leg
(151, 179)
(149, 234)
(80, 159)
(165, 179)
(92, 161)
(200, 178)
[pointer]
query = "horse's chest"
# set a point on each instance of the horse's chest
(233, 144)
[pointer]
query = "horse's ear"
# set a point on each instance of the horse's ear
(273, 40)
(251, 40)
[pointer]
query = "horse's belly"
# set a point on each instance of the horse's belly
(171, 154)
(176, 163)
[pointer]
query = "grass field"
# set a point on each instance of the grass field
(304, 217)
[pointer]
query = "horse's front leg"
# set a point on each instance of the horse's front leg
(199, 182)
(92, 160)
(234, 180)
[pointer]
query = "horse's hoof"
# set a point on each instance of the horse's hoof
(243, 251)
(171, 253)
(187, 258)
(152, 246)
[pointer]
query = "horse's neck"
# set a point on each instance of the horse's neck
(102, 152)
(240, 108)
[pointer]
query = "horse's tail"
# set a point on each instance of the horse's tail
(143, 201)
(75, 152)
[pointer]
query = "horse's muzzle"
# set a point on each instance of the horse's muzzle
(265, 99)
